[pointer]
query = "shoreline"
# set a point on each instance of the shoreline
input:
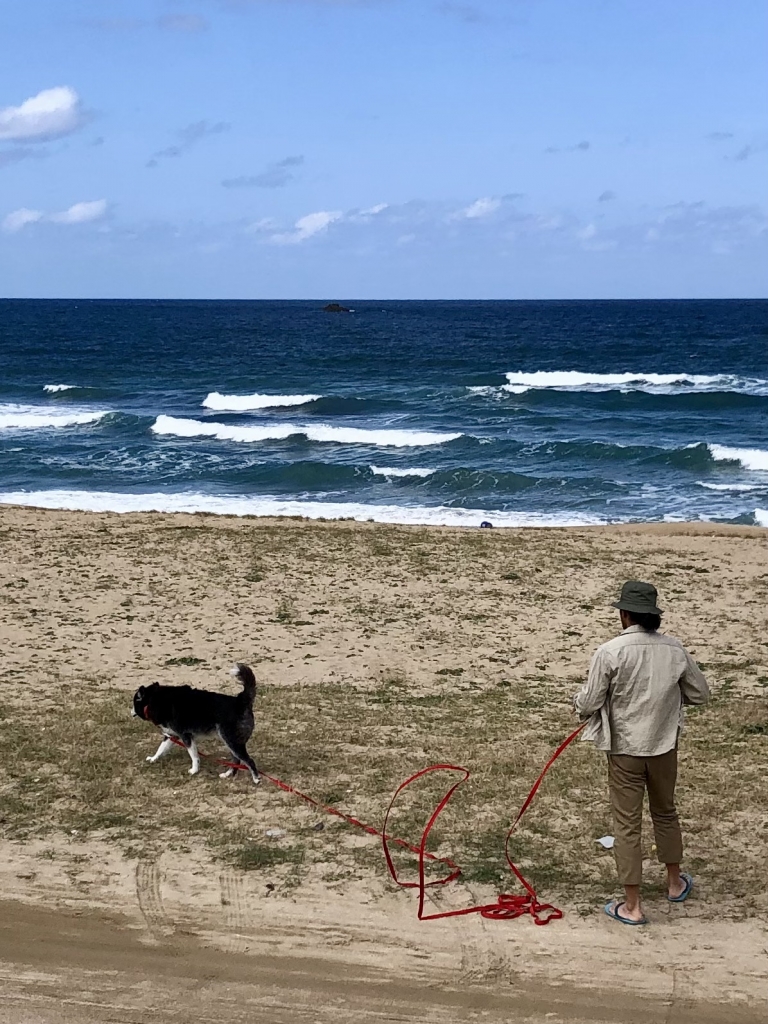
(687, 526)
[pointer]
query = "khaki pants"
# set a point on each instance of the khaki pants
(629, 777)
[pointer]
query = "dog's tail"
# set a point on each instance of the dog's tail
(245, 675)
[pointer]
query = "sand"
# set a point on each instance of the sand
(378, 650)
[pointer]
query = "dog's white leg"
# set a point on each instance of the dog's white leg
(228, 774)
(164, 747)
(192, 750)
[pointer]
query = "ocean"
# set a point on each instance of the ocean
(455, 413)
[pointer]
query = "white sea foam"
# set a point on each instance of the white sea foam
(655, 383)
(36, 417)
(236, 505)
(55, 388)
(386, 471)
(750, 458)
(313, 432)
(731, 487)
(246, 403)
(761, 516)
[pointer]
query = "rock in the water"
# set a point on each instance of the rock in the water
(335, 307)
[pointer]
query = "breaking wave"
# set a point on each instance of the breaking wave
(654, 383)
(749, 458)
(321, 432)
(247, 403)
(237, 505)
(31, 417)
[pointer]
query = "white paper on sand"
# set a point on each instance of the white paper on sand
(606, 842)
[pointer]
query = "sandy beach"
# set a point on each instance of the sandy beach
(378, 650)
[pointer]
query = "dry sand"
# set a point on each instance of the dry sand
(130, 889)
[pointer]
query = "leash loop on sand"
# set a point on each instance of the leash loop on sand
(506, 906)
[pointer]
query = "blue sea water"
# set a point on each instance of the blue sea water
(537, 413)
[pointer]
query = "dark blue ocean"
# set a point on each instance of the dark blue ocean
(538, 413)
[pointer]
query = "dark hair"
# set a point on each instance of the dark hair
(646, 620)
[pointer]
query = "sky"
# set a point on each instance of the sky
(416, 149)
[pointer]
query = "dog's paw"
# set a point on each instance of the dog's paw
(151, 760)
(256, 780)
(228, 774)
(194, 770)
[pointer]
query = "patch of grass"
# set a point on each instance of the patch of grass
(252, 856)
(188, 660)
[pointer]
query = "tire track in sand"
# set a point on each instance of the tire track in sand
(149, 896)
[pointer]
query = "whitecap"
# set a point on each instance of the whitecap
(321, 432)
(659, 383)
(35, 417)
(761, 516)
(242, 505)
(246, 403)
(731, 487)
(55, 388)
(750, 458)
(386, 471)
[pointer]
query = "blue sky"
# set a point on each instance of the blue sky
(384, 148)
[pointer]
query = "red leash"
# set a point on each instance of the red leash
(507, 906)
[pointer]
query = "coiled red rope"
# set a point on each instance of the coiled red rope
(506, 906)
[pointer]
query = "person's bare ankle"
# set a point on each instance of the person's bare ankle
(634, 913)
(676, 887)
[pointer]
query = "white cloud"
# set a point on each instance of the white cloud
(307, 226)
(51, 113)
(20, 218)
(81, 213)
(480, 208)
(266, 224)
(373, 210)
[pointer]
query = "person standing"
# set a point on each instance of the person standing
(633, 700)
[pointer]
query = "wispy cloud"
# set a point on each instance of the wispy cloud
(720, 136)
(480, 208)
(19, 219)
(274, 176)
(580, 147)
(307, 226)
(81, 213)
(721, 228)
(607, 196)
(470, 13)
(47, 115)
(749, 151)
(78, 213)
(19, 153)
(188, 137)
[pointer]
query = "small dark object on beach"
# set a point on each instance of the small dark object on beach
(318, 827)
(335, 307)
(485, 525)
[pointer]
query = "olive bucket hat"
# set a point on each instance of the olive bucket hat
(639, 598)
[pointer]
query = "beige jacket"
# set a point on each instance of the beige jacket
(634, 696)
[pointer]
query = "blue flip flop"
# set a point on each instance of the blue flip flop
(612, 910)
(686, 891)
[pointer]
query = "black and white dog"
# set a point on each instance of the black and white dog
(185, 713)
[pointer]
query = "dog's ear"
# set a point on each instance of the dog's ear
(140, 692)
